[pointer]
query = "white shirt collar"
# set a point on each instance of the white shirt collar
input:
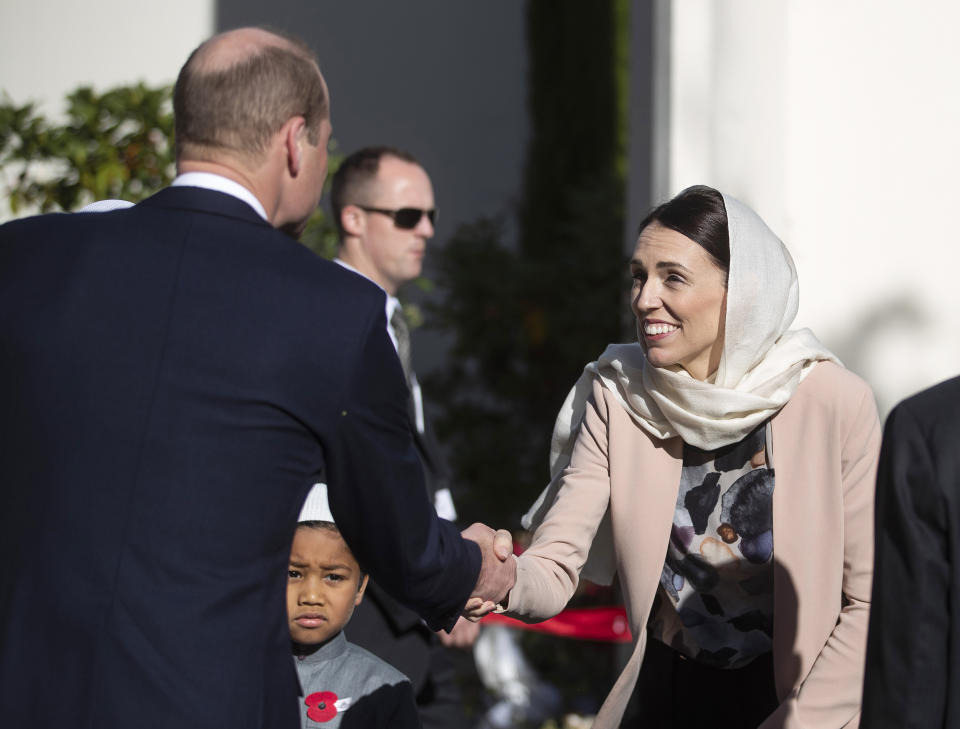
(210, 181)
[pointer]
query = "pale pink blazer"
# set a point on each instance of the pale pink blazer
(826, 440)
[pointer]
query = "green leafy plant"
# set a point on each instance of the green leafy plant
(114, 144)
(527, 313)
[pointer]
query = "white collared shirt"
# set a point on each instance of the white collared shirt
(210, 181)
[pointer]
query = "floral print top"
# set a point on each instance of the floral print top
(715, 602)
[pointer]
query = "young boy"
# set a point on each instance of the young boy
(342, 683)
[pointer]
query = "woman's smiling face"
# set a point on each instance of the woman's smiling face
(679, 297)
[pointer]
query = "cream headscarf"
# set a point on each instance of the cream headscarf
(760, 368)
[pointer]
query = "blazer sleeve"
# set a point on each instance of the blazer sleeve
(548, 571)
(829, 696)
(403, 713)
(378, 495)
(907, 663)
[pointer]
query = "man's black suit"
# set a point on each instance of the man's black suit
(913, 649)
(397, 634)
(174, 377)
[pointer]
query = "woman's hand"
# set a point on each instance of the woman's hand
(477, 608)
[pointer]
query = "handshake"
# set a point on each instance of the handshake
(498, 570)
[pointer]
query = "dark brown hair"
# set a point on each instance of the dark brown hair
(354, 175)
(330, 527)
(238, 108)
(698, 213)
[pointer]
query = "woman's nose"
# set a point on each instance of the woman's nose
(647, 298)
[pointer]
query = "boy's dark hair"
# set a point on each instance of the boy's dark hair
(317, 524)
(330, 526)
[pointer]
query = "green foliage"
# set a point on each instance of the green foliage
(117, 144)
(320, 235)
(527, 314)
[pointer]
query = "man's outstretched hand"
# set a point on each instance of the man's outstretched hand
(498, 570)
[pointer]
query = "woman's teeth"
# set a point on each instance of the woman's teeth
(659, 328)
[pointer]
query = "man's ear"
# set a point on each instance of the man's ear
(294, 134)
(360, 590)
(353, 220)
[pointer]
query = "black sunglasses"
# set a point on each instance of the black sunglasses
(405, 218)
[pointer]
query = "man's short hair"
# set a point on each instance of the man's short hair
(353, 177)
(237, 108)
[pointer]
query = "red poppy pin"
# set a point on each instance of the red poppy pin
(322, 705)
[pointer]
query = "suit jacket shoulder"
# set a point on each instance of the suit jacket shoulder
(936, 410)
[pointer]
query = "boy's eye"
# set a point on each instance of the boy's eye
(334, 577)
(293, 574)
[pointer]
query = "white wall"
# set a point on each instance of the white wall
(838, 121)
(49, 47)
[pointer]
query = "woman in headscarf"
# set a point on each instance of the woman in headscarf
(723, 469)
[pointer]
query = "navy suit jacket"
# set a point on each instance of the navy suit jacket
(913, 647)
(174, 376)
(395, 633)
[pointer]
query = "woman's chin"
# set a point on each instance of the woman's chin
(657, 359)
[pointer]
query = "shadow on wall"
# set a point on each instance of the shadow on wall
(892, 347)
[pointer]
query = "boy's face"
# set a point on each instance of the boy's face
(324, 585)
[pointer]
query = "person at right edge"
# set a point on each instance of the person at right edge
(913, 649)
(723, 468)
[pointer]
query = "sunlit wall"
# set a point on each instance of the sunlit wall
(838, 121)
(49, 47)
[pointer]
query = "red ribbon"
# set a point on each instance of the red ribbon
(608, 624)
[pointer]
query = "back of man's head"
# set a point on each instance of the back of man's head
(237, 90)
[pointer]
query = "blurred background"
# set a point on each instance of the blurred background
(549, 127)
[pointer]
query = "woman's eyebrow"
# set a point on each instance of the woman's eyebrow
(661, 264)
(673, 264)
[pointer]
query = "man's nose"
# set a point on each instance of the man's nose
(425, 228)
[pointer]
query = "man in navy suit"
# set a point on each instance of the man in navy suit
(912, 674)
(175, 375)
